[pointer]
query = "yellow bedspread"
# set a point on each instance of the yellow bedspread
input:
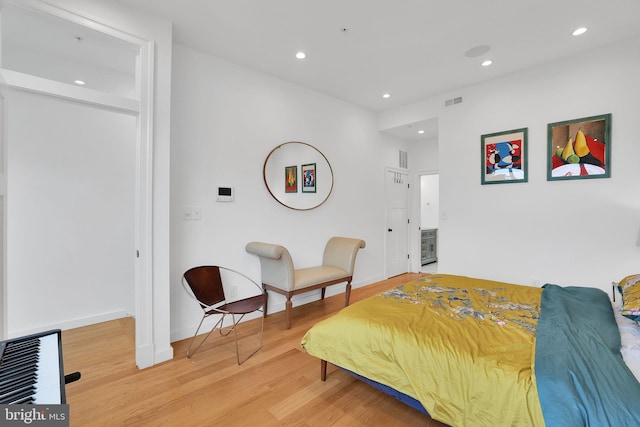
(463, 347)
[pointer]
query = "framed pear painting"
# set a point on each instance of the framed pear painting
(579, 149)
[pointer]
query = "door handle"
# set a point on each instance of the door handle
(389, 229)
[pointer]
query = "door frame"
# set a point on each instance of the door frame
(3, 214)
(142, 108)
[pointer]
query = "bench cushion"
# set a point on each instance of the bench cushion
(305, 277)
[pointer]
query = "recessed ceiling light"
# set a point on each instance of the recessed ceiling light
(301, 55)
(386, 95)
(487, 63)
(579, 31)
(79, 82)
(420, 131)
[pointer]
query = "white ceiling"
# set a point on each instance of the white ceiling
(60, 49)
(412, 49)
(411, 131)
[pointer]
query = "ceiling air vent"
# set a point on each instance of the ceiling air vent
(402, 155)
(452, 101)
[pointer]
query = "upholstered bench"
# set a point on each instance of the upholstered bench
(279, 275)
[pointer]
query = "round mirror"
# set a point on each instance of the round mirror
(298, 175)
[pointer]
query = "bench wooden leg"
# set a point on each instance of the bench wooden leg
(347, 294)
(288, 306)
(266, 300)
(323, 370)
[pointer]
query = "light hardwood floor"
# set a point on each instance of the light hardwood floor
(279, 386)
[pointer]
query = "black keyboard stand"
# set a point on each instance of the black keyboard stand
(69, 378)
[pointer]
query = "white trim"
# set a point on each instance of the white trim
(79, 18)
(144, 212)
(39, 85)
(74, 323)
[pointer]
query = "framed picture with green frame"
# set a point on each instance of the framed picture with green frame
(504, 157)
(579, 148)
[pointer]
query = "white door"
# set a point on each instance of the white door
(397, 242)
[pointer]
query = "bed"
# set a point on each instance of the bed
(474, 352)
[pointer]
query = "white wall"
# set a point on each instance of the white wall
(226, 120)
(429, 201)
(71, 209)
(580, 232)
(423, 156)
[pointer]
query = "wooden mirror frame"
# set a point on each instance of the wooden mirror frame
(297, 200)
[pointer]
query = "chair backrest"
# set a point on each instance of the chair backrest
(341, 252)
(206, 284)
(275, 263)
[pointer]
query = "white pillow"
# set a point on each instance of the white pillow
(630, 338)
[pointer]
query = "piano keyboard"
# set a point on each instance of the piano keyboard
(31, 370)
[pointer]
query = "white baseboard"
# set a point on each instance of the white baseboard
(71, 324)
(163, 355)
(276, 304)
(144, 356)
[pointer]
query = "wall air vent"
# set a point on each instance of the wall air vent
(403, 162)
(452, 101)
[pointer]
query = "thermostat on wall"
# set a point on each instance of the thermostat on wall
(225, 194)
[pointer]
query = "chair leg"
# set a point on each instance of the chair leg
(289, 306)
(347, 294)
(225, 332)
(235, 327)
(189, 353)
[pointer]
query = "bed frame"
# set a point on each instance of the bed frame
(406, 399)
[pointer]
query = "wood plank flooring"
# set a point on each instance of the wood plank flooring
(278, 386)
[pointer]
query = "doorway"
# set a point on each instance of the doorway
(70, 73)
(3, 255)
(429, 221)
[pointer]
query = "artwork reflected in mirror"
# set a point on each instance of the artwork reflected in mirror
(291, 179)
(303, 190)
(309, 178)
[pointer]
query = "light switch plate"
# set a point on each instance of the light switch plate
(197, 212)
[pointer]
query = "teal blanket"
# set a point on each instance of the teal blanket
(581, 377)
